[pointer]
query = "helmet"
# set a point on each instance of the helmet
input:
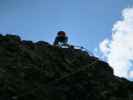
(61, 33)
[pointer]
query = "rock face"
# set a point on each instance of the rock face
(39, 71)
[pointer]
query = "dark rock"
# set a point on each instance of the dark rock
(28, 44)
(10, 40)
(25, 42)
(39, 71)
(42, 43)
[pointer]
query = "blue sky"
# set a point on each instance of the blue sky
(87, 22)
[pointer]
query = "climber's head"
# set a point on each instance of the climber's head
(61, 33)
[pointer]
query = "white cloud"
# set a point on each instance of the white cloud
(119, 50)
(104, 46)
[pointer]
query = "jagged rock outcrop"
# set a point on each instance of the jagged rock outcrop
(39, 71)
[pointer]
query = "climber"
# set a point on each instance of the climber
(61, 39)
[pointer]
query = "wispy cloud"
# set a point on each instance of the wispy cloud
(119, 50)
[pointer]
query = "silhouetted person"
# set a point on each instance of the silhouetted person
(61, 39)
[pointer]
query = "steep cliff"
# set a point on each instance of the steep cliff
(39, 71)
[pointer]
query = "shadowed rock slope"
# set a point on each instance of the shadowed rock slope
(39, 71)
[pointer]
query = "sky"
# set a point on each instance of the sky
(87, 22)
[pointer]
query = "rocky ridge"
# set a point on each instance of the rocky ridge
(40, 71)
